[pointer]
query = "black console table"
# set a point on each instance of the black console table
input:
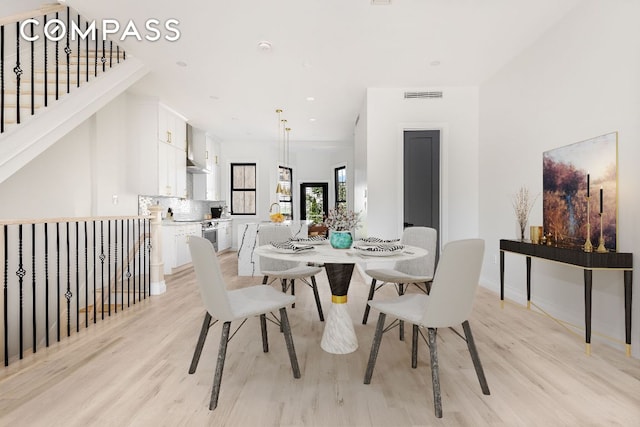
(588, 261)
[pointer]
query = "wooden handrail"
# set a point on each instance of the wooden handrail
(43, 10)
(69, 219)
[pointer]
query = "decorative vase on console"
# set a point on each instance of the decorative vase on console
(522, 205)
(340, 222)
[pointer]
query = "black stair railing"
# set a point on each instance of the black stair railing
(87, 260)
(25, 53)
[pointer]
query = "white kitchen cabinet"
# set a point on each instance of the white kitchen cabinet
(157, 166)
(212, 179)
(175, 240)
(224, 235)
(204, 153)
(172, 128)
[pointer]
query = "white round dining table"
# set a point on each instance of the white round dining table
(339, 336)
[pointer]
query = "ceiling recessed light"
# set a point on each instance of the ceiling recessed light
(310, 98)
(312, 119)
(181, 64)
(214, 97)
(264, 45)
(434, 63)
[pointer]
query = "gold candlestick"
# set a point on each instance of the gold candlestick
(588, 247)
(601, 249)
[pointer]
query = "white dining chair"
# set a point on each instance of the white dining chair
(448, 304)
(286, 271)
(229, 306)
(417, 271)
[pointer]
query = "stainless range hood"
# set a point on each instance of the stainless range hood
(193, 166)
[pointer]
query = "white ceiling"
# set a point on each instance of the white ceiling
(331, 50)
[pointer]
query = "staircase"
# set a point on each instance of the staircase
(48, 87)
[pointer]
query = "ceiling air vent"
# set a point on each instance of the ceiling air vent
(381, 2)
(416, 95)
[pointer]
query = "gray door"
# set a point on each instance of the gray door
(422, 178)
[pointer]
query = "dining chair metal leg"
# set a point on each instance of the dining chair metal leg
(293, 291)
(284, 321)
(206, 324)
(401, 291)
(372, 290)
(414, 347)
(435, 377)
(475, 358)
(263, 327)
(375, 346)
(222, 352)
(314, 286)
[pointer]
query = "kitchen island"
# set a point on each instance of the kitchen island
(248, 261)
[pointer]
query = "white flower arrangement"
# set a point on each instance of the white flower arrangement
(342, 220)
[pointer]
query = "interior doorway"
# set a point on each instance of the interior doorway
(314, 201)
(422, 178)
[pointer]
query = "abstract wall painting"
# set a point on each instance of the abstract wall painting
(573, 175)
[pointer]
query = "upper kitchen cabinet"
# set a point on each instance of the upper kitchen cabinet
(205, 155)
(157, 165)
(172, 128)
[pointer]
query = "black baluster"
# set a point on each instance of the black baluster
(118, 54)
(46, 71)
(95, 60)
(148, 221)
(115, 267)
(46, 282)
(128, 268)
(123, 273)
(57, 66)
(86, 54)
(93, 262)
(33, 75)
(20, 272)
(77, 279)
(6, 296)
(110, 53)
(102, 258)
(139, 243)
(58, 279)
(33, 283)
(68, 295)
(78, 54)
(67, 50)
(109, 266)
(86, 277)
(18, 72)
(103, 59)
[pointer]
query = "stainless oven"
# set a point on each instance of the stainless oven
(210, 232)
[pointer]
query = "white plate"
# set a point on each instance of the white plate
(289, 251)
(312, 241)
(376, 253)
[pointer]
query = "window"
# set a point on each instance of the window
(340, 179)
(313, 201)
(285, 197)
(243, 188)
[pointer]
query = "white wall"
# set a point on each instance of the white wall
(580, 80)
(456, 115)
(78, 175)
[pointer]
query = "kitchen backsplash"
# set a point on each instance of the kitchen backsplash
(183, 209)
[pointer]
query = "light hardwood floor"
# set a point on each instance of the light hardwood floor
(132, 371)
